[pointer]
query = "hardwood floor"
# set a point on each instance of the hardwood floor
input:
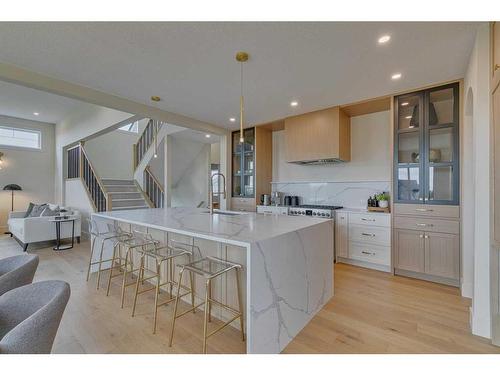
(372, 312)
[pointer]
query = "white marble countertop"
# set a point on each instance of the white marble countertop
(239, 230)
(361, 211)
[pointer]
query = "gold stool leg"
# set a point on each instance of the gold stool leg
(91, 256)
(111, 267)
(100, 263)
(157, 293)
(174, 316)
(240, 304)
(125, 271)
(139, 280)
(209, 303)
(191, 282)
(205, 321)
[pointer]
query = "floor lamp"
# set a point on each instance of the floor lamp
(12, 188)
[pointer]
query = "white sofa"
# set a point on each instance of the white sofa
(36, 229)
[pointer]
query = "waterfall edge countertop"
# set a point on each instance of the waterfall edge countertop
(235, 228)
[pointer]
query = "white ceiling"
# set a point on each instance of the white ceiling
(21, 102)
(192, 67)
(197, 136)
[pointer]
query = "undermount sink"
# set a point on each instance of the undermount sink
(228, 213)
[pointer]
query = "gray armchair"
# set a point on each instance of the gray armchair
(17, 271)
(30, 317)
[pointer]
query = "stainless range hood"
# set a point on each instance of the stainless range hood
(319, 161)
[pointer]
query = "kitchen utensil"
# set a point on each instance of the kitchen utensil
(288, 200)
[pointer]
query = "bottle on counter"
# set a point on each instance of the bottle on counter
(370, 202)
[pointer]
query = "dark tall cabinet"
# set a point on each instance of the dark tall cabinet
(426, 146)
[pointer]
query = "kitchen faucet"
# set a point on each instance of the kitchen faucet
(211, 191)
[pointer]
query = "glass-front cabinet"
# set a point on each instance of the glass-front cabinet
(243, 164)
(426, 146)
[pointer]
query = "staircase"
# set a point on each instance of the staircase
(124, 194)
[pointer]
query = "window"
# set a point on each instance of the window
(20, 138)
(132, 127)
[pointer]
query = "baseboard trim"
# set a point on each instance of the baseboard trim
(423, 276)
(359, 263)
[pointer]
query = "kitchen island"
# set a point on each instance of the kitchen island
(287, 263)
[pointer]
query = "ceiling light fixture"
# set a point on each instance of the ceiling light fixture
(396, 76)
(207, 135)
(232, 119)
(36, 113)
(155, 124)
(241, 57)
(384, 39)
(404, 104)
(294, 103)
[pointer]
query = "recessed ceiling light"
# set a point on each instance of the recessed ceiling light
(408, 117)
(232, 119)
(294, 103)
(36, 113)
(404, 104)
(207, 135)
(396, 76)
(384, 39)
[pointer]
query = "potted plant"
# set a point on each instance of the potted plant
(383, 200)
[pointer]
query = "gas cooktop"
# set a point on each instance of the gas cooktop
(320, 207)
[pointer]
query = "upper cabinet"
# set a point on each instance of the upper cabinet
(426, 146)
(251, 167)
(316, 137)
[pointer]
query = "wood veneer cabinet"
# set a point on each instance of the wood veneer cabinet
(251, 167)
(320, 135)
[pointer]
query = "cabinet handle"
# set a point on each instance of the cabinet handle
(497, 66)
(367, 252)
(424, 209)
(424, 225)
(426, 236)
(421, 236)
(368, 234)
(365, 219)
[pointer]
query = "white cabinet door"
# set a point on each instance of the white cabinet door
(342, 234)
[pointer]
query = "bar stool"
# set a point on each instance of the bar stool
(209, 268)
(137, 240)
(160, 254)
(113, 234)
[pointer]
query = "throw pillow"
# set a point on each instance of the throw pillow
(30, 208)
(37, 210)
(49, 212)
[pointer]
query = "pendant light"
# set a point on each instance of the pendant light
(155, 128)
(241, 57)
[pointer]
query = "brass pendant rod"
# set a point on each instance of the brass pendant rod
(241, 103)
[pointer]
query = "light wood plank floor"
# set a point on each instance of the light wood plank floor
(372, 312)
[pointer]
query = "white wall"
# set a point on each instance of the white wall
(33, 170)
(157, 165)
(189, 170)
(89, 120)
(112, 155)
(477, 199)
(76, 197)
(370, 155)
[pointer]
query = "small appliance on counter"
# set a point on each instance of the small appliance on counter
(276, 198)
(265, 199)
(292, 200)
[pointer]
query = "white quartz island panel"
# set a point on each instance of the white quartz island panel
(289, 264)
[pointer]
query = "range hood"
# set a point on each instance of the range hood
(320, 137)
(319, 161)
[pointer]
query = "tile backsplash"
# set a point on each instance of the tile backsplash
(346, 194)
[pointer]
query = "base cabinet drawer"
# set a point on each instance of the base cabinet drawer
(370, 253)
(428, 210)
(370, 235)
(380, 220)
(428, 225)
(243, 204)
